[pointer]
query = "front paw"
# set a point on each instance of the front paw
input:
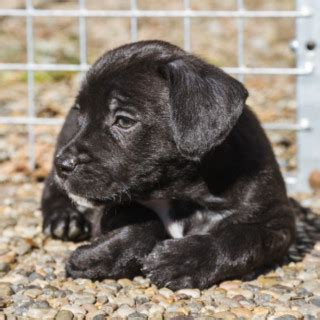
(168, 265)
(67, 224)
(79, 263)
(87, 262)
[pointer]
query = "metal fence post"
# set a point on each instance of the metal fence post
(31, 88)
(308, 93)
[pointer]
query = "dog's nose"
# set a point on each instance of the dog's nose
(65, 165)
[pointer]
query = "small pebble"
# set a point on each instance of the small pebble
(137, 316)
(166, 292)
(314, 180)
(315, 301)
(193, 293)
(76, 310)
(123, 311)
(97, 315)
(64, 315)
(37, 313)
(120, 300)
(5, 289)
(4, 267)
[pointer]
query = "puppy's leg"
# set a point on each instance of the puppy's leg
(232, 250)
(132, 233)
(61, 218)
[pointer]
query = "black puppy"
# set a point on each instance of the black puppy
(181, 180)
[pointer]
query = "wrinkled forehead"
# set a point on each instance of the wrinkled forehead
(132, 87)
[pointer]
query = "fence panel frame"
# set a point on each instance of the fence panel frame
(307, 15)
(308, 94)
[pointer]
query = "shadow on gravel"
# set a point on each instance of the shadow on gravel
(308, 232)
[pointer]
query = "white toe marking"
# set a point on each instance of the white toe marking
(175, 229)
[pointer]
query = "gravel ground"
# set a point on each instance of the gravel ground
(33, 283)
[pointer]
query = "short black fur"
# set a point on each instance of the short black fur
(179, 180)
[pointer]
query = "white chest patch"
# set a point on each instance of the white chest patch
(162, 209)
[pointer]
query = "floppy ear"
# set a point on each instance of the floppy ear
(205, 104)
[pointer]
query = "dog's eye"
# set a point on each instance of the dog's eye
(124, 122)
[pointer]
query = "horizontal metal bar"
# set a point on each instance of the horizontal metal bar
(303, 13)
(290, 180)
(31, 121)
(307, 69)
(43, 67)
(304, 125)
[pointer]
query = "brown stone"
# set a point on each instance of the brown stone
(242, 313)
(314, 180)
(225, 315)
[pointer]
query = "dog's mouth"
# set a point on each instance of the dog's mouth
(90, 202)
(87, 201)
(77, 199)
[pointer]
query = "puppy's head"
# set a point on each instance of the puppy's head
(145, 111)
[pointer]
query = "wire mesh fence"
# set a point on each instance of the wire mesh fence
(306, 14)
